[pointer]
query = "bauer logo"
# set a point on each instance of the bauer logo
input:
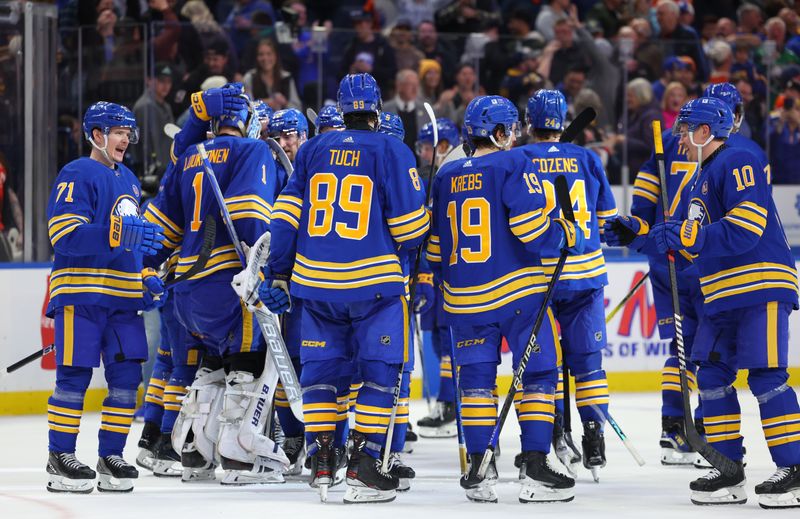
(386, 340)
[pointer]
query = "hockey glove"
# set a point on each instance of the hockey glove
(424, 296)
(626, 231)
(154, 293)
(136, 234)
(679, 235)
(274, 292)
(573, 239)
(246, 287)
(217, 101)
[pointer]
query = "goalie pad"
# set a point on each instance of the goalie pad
(246, 415)
(199, 411)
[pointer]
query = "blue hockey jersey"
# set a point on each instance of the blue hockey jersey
(352, 202)
(745, 259)
(592, 202)
(86, 270)
(489, 224)
(246, 174)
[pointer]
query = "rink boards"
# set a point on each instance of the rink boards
(633, 358)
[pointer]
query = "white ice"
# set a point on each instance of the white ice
(625, 489)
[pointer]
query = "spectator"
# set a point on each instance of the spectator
(686, 10)
(502, 54)
(743, 67)
(466, 16)
(433, 48)
(679, 40)
(673, 69)
(365, 40)
(607, 13)
(642, 111)
(720, 55)
(784, 140)
(464, 91)
(775, 30)
(792, 21)
(523, 79)
(647, 54)
(215, 63)
(750, 22)
(726, 29)
(418, 11)
(204, 27)
(548, 15)
(675, 97)
(408, 105)
(570, 53)
(306, 77)
(198, 14)
(753, 118)
(268, 81)
(363, 64)
(240, 20)
(402, 41)
(431, 86)
(152, 113)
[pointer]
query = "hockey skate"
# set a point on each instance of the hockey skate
(295, 449)
(411, 440)
(263, 471)
(542, 484)
(166, 462)
(341, 466)
(366, 483)
(594, 448)
(480, 490)
(322, 466)
(195, 466)
(716, 489)
(114, 474)
(440, 423)
(67, 474)
(781, 490)
(401, 471)
(675, 449)
(563, 447)
(147, 444)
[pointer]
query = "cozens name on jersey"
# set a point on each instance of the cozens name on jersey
(468, 182)
(217, 156)
(556, 165)
(347, 158)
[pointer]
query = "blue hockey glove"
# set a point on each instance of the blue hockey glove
(424, 295)
(626, 231)
(136, 234)
(679, 235)
(274, 292)
(155, 294)
(217, 101)
(573, 238)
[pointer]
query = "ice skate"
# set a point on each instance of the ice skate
(675, 449)
(781, 490)
(322, 464)
(341, 466)
(114, 474)
(411, 440)
(195, 466)
(480, 490)
(567, 454)
(263, 471)
(401, 471)
(440, 423)
(366, 483)
(716, 489)
(542, 484)
(594, 448)
(295, 449)
(67, 474)
(166, 462)
(147, 443)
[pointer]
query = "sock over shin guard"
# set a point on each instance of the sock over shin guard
(174, 392)
(374, 404)
(591, 386)
(65, 407)
(780, 414)
(318, 380)
(671, 397)
(153, 408)
(118, 407)
(478, 405)
(721, 412)
(401, 420)
(537, 409)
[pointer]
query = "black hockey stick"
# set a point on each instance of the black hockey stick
(27, 360)
(209, 235)
(719, 461)
(562, 194)
(578, 456)
(412, 290)
(580, 123)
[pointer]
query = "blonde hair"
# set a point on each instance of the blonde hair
(674, 85)
(198, 13)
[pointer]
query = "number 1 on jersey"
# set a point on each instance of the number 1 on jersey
(197, 186)
(474, 222)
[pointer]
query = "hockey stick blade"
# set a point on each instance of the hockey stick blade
(312, 117)
(622, 436)
(455, 154)
(281, 156)
(562, 195)
(209, 235)
(171, 130)
(580, 123)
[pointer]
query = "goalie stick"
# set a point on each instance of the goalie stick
(311, 115)
(719, 461)
(281, 156)
(562, 194)
(266, 321)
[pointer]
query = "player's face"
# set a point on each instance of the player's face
(118, 140)
(290, 142)
(425, 152)
(699, 135)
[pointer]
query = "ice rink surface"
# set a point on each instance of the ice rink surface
(625, 489)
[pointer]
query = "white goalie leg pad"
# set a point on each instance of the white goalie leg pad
(533, 491)
(199, 410)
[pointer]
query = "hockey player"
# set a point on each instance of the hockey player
(97, 286)
(729, 225)
(354, 200)
(208, 308)
(290, 128)
(578, 303)
(328, 119)
(391, 124)
(489, 226)
(448, 139)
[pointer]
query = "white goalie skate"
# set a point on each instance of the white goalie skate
(265, 471)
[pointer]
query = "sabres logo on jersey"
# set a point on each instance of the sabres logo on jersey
(126, 205)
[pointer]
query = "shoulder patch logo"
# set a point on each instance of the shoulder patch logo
(348, 139)
(704, 189)
(135, 190)
(552, 149)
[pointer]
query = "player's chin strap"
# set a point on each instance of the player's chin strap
(104, 149)
(700, 147)
(504, 146)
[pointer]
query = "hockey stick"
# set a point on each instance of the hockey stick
(412, 293)
(719, 461)
(281, 156)
(622, 436)
(462, 445)
(266, 320)
(580, 123)
(625, 299)
(27, 360)
(562, 194)
(578, 456)
(419, 341)
(312, 118)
